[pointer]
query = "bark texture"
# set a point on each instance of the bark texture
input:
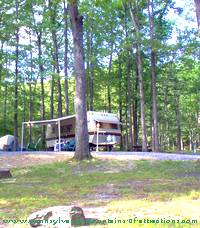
(82, 145)
(66, 59)
(16, 80)
(135, 20)
(155, 142)
(197, 6)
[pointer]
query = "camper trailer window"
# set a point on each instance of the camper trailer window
(69, 128)
(108, 126)
(114, 126)
(53, 130)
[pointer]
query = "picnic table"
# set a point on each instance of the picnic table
(138, 148)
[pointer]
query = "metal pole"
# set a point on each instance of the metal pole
(22, 137)
(59, 136)
(97, 148)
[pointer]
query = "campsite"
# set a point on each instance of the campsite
(99, 113)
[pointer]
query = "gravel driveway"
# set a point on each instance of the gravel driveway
(21, 159)
(148, 155)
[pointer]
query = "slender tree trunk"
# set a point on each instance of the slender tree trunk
(91, 79)
(120, 100)
(31, 96)
(66, 59)
(135, 112)
(42, 90)
(16, 79)
(91, 86)
(197, 6)
(30, 111)
(135, 21)
(6, 95)
(82, 139)
(55, 56)
(109, 74)
(178, 123)
(88, 72)
(155, 142)
(1, 66)
(5, 108)
(24, 102)
(135, 116)
(41, 74)
(52, 96)
(127, 119)
(129, 100)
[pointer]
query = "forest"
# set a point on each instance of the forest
(141, 62)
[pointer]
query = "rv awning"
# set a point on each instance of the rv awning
(46, 122)
(107, 121)
(42, 122)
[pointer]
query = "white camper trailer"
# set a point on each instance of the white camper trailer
(103, 128)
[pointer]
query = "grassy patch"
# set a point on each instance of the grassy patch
(128, 189)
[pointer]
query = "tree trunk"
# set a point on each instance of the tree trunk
(31, 96)
(82, 139)
(16, 79)
(135, 21)
(197, 6)
(120, 100)
(5, 108)
(155, 142)
(55, 56)
(91, 69)
(109, 75)
(129, 100)
(135, 112)
(66, 59)
(41, 72)
(178, 123)
(135, 123)
(1, 66)
(30, 111)
(52, 96)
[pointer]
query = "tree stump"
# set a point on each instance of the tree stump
(5, 173)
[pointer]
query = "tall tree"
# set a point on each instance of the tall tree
(135, 20)
(66, 58)
(197, 6)
(155, 142)
(16, 75)
(52, 9)
(37, 28)
(82, 145)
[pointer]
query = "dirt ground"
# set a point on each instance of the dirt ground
(23, 160)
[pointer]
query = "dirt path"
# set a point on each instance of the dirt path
(23, 160)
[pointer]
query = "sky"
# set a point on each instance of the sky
(187, 20)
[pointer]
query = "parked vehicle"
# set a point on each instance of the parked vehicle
(7, 143)
(109, 130)
(103, 128)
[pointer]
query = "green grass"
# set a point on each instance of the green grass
(144, 189)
